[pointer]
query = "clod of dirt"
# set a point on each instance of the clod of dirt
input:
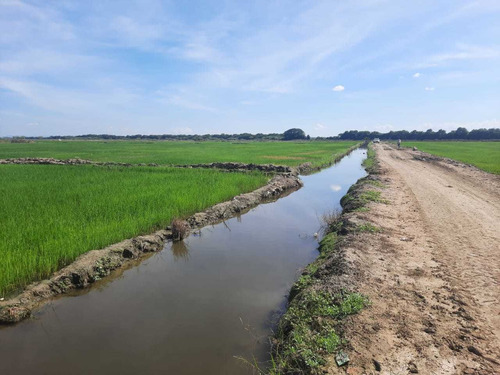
(474, 350)
(180, 229)
(412, 367)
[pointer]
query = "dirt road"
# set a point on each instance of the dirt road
(432, 273)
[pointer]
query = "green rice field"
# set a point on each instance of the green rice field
(484, 155)
(170, 152)
(51, 214)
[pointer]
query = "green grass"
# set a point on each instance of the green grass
(168, 152)
(484, 155)
(52, 214)
(307, 331)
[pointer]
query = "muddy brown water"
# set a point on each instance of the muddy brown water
(193, 308)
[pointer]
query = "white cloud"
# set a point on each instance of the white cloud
(429, 89)
(335, 187)
(417, 75)
(338, 88)
(319, 127)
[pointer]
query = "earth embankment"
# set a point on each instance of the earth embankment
(431, 270)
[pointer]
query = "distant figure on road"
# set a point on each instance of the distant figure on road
(399, 143)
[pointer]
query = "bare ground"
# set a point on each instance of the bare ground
(432, 273)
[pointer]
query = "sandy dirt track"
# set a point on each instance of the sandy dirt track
(432, 273)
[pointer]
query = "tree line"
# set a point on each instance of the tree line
(428, 135)
(297, 134)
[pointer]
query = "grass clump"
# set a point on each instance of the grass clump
(372, 196)
(328, 243)
(367, 227)
(484, 155)
(51, 214)
(307, 332)
(369, 162)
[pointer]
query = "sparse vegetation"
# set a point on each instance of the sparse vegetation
(308, 331)
(368, 227)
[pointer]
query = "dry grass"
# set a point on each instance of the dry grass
(180, 229)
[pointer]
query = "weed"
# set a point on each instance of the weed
(307, 330)
(328, 243)
(331, 221)
(367, 227)
(361, 209)
(376, 183)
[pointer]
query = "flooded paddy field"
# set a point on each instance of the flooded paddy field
(195, 307)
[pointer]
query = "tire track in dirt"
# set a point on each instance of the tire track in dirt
(432, 273)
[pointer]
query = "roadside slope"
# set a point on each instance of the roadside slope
(432, 273)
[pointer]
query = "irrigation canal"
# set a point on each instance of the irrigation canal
(194, 307)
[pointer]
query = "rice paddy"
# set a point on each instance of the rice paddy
(51, 214)
(169, 152)
(484, 155)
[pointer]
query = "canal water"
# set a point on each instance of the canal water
(197, 307)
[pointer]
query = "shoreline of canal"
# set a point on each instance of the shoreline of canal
(310, 335)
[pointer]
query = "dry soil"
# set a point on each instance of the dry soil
(432, 273)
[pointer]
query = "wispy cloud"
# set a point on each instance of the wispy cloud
(127, 61)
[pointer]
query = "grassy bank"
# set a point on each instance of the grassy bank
(166, 152)
(310, 331)
(484, 155)
(52, 214)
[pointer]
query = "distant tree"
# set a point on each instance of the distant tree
(461, 133)
(294, 133)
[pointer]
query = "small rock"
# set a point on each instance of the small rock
(415, 149)
(377, 365)
(412, 367)
(1, 299)
(474, 350)
(341, 358)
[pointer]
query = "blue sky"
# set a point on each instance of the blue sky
(154, 67)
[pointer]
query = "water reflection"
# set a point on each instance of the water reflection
(180, 250)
